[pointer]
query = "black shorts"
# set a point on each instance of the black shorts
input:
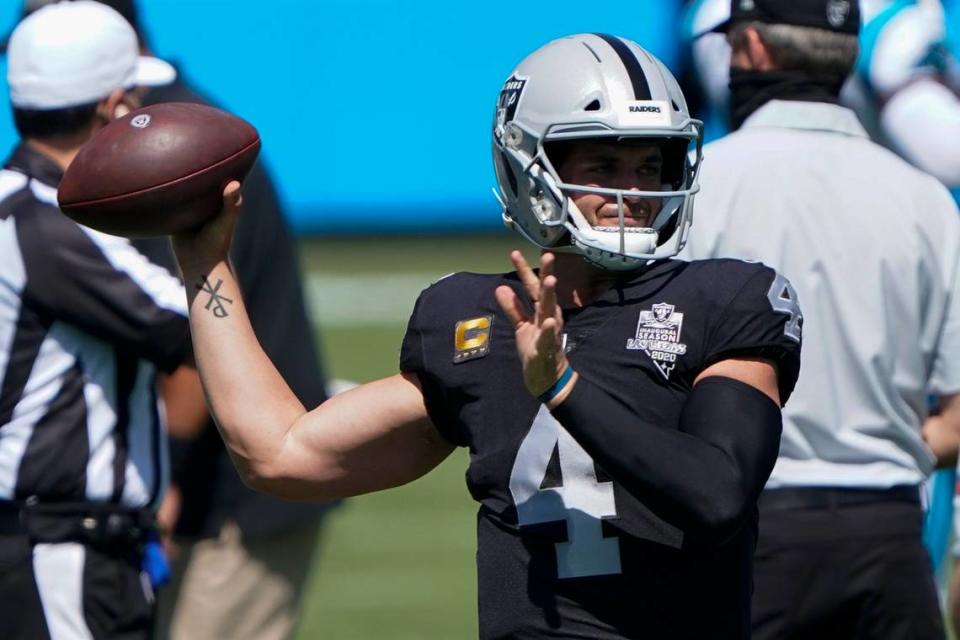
(843, 571)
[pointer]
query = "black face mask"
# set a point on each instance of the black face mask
(750, 90)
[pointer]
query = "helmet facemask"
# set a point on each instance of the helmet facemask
(557, 223)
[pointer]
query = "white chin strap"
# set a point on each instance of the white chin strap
(630, 241)
(607, 246)
(615, 248)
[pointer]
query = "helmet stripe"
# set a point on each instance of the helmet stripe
(641, 89)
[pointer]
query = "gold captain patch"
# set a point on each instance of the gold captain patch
(471, 339)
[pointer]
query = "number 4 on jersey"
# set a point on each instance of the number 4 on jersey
(582, 500)
(783, 298)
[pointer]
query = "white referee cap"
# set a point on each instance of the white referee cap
(72, 53)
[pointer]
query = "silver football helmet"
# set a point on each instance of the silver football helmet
(594, 86)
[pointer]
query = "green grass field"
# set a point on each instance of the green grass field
(398, 564)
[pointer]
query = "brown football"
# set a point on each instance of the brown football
(158, 170)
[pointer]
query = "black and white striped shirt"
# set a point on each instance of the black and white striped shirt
(85, 322)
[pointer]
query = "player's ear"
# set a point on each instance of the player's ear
(113, 106)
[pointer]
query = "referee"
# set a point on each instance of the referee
(85, 322)
(872, 247)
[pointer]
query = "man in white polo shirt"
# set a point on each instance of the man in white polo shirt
(871, 246)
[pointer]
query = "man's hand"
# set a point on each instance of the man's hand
(539, 341)
(941, 431)
(167, 516)
(208, 244)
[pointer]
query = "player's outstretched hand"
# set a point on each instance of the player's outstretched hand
(539, 341)
(208, 244)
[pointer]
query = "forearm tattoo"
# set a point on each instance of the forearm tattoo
(216, 299)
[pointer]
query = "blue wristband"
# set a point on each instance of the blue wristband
(557, 387)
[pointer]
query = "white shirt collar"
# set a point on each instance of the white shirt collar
(814, 116)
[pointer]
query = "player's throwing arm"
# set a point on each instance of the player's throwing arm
(370, 438)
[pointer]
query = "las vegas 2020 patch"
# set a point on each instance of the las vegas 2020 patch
(658, 335)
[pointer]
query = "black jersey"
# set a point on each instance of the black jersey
(563, 549)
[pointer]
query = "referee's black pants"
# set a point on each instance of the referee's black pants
(843, 564)
(70, 588)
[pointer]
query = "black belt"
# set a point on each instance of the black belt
(827, 497)
(101, 525)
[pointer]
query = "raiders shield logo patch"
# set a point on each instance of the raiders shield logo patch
(658, 335)
(837, 12)
(471, 339)
(510, 96)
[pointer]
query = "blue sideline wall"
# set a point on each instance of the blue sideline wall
(375, 114)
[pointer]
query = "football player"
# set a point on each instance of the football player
(622, 409)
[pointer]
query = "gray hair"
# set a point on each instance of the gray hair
(794, 48)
